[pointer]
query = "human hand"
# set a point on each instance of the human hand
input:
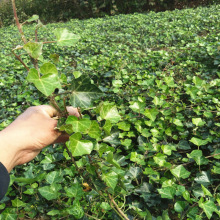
(25, 137)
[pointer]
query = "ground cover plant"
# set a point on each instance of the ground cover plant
(154, 142)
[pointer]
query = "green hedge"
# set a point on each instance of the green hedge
(64, 10)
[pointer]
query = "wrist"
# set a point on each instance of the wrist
(8, 153)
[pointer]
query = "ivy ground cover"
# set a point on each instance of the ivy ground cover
(161, 136)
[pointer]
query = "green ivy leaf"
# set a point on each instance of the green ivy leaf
(66, 38)
(110, 178)
(53, 212)
(76, 210)
(94, 130)
(79, 147)
(177, 122)
(198, 157)
(111, 160)
(179, 206)
(180, 172)
(206, 191)
(167, 192)
(160, 159)
(109, 112)
(124, 126)
(198, 122)
(48, 68)
(107, 127)
(34, 49)
(77, 74)
(74, 191)
(151, 113)
(50, 192)
(208, 207)
(197, 81)
(54, 177)
(198, 142)
(17, 203)
(167, 149)
(203, 178)
(45, 84)
(33, 18)
(138, 107)
(83, 92)
(78, 125)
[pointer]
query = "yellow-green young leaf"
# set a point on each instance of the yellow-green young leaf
(45, 84)
(160, 159)
(198, 122)
(169, 81)
(186, 196)
(208, 207)
(34, 49)
(198, 142)
(198, 157)
(79, 147)
(18, 203)
(197, 81)
(111, 160)
(107, 127)
(111, 179)
(206, 191)
(53, 212)
(48, 68)
(167, 149)
(33, 18)
(66, 38)
(180, 172)
(158, 101)
(124, 126)
(94, 130)
(167, 192)
(109, 112)
(177, 122)
(78, 125)
(77, 74)
(151, 113)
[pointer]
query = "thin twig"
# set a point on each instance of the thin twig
(185, 164)
(90, 216)
(49, 42)
(21, 61)
(117, 207)
(17, 22)
(71, 156)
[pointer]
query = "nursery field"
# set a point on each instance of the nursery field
(148, 146)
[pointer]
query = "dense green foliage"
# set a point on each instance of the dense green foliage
(157, 152)
(64, 10)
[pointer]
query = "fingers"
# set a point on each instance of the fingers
(73, 111)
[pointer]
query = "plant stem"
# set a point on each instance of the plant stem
(118, 209)
(17, 22)
(71, 156)
(49, 42)
(21, 61)
(90, 216)
(54, 104)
